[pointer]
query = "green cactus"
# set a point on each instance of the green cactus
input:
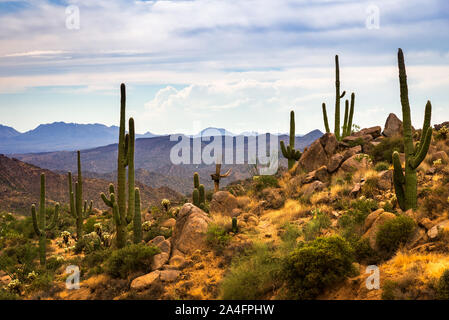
(123, 215)
(349, 111)
(290, 153)
(196, 197)
(137, 226)
(235, 228)
(79, 211)
(40, 224)
(196, 180)
(217, 176)
(202, 194)
(406, 185)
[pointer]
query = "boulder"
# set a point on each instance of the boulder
(440, 155)
(157, 240)
(313, 158)
(309, 189)
(371, 218)
(334, 162)
(223, 202)
(189, 233)
(145, 281)
(355, 163)
(159, 260)
(329, 143)
(355, 190)
(369, 147)
(165, 246)
(169, 223)
(371, 234)
(178, 261)
(273, 197)
(385, 181)
(426, 223)
(393, 126)
(319, 174)
(374, 132)
(434, 232)
(353, 139)
(351, 152)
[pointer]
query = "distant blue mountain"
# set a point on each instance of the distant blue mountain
(59, 136)
(8, 132)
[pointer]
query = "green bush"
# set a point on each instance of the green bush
(384, 150)
(217, 237)
(363, 252)
(393, 233)
(7, 295)
(130, 259)
(443, 286)
(352, 222)
(382, 166)
(88, 243)
(266, 181)
(94, 261)
(89, 225)
(252, 275)
(313, 228)
(316, 265)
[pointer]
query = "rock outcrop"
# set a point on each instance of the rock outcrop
(223, 202)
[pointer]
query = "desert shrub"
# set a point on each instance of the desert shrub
(94, 261)
(388, 290)
(442, 287)
(42, 282)
(394, 232)
(252, 275)
(217, 237)
(152, 231)
(19, 260)
(352, 222)
(54, 262)
(435, 200)
(7, 295)
(88, 243)
(89, 225)
(363, 252)
(266, 181)
(291, 233)
(316, 265)
(382, 166)
(384, 150)
(442, 134)
(319, 222)
(134, 258)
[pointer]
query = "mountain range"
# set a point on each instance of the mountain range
(152, 161)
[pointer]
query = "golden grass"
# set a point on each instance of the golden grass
(430, 266)
(319, 197)
(340, 190)
(292, 210)
(222, 221)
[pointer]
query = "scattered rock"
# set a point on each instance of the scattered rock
(374, 132)
(157, 240)
(223, 202)
(434, 232)
(189, 232)
(165, 246)
(329, 143)
(309, 189)
(371, 218)
(355, 190)
(353, 139)
(319, 174)
(355, 163)
(371, 234)
(145, 281)
(178, 262)
(426, 223)
(273, 197)
(351, 152)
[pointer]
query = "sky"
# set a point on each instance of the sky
(235, 64)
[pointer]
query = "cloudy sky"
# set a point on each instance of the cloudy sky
(241, 65)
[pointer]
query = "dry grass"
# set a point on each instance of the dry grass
(291, 211)
(223, 221)
(319, 198)
(340, 190)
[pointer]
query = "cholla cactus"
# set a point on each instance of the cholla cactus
(146, 226)
(165, 203)
(98, 228)
(14, 286)
(32, 276)
(65, 237)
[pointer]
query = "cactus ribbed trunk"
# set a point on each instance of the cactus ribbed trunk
(406, 186)
(290, 153)
(121, 173)
(40, 223)
(137, 227)
(337, 99)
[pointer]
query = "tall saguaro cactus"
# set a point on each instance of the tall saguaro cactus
(290, 153)
(199, 194)
(123, 215)
(347, 125)
(40, 224)
(77, 209)
(217, 176)
(406, 185)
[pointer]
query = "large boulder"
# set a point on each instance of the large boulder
(329, 143)
(385, 181)
(355, 163)
(189, 233)
(313, 158)
(319, 174)
(334, 162)
(371, 234)
(308, 189)
(374, 132)
(352, 151)
(223, 202)
(435, 231)
(145, 281)
(274, 198)
(393, 126)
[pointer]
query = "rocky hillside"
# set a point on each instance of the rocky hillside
(20, 187)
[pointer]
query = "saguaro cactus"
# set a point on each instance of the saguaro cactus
(217, 176)
(123, 215)
(406, 185)
(199, 194)
(40, 224)
(347, 125)
(290, 153)
(77, 209)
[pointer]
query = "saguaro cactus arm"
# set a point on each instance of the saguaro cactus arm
(137, 227)
(290, 153)
(326, 121)
(54, 221)
(35, 223)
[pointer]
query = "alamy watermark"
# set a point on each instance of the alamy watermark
(255, 149)
(72, 21)
(373, 280)
(73, 280)
(372, 21)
